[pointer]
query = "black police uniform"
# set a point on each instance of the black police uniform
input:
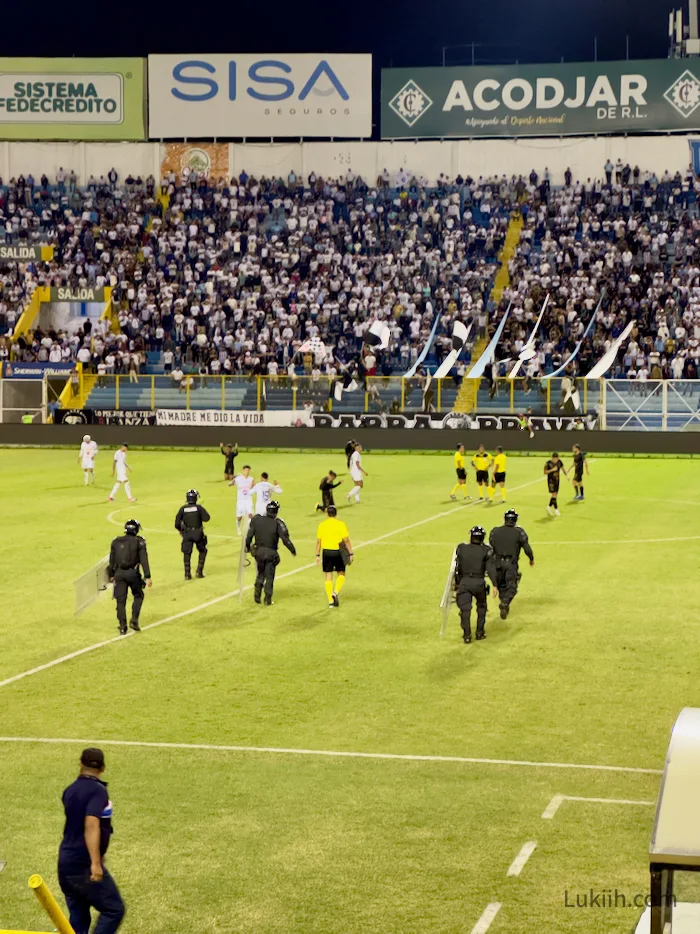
(473, 563)
(229, 468)
(189, 522)
(127, 557)
(267, 532)
(507, 542)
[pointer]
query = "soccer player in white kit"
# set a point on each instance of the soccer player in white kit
(86, 458)
(244, 502)
(263, 491)
(122, 469)
(357, 472)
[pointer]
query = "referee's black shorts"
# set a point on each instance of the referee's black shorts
(461, 473)
(332, 560)
(499, 478)
(482, 476)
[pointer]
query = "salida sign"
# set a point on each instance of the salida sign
(266, 95)
(538, 100)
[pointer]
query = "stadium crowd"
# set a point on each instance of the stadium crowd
(236, 276)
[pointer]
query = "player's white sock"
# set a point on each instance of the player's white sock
(86, 473)
(357, 498)
(355, 491)
(127, 489)
(115, 490)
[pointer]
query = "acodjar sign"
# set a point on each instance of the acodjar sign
(541, 100)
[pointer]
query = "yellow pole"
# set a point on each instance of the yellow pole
(153, 393)
(50, 905)
(187, 402)
(294, 395)
(549, 396)
(585, 396)
(512, 395)
(259, 392)
(116, 393)
(223, 393)
(439, 406)
(81, 380)
(403, 393)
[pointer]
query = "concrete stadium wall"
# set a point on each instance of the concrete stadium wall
(585, 156)
(377, 439)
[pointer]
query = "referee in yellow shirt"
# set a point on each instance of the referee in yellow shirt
(499, 474)
(333, 549)
(461, 469)
(481, 462)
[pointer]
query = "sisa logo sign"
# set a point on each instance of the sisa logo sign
(227, 96)
(264, 80)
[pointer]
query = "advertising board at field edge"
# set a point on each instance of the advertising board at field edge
(269, 95)
(541, 100)
(35, 370)
(72, 98)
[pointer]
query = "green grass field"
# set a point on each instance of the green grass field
(597, 659)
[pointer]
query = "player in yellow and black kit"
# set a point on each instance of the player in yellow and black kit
(552, 471)
(481, 462)
(499, 474)
(461, 470)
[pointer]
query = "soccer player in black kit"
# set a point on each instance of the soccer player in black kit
(267, 531)
(552, 470)
(230, 452)
(326, 486)
(580, 463)
(127, 557)
(190, 524)
(474, 562)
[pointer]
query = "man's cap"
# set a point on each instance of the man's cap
(92, 758)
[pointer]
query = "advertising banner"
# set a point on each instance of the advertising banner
(208, 96)
(67, 293)
(455, 420)
(209, 160)
(105, 417)
(233, 419)
(72, 98)
(541, 100)
(35, 370)
(25, 253)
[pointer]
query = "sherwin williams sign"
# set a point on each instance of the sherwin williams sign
(72, 98)
(541, 100)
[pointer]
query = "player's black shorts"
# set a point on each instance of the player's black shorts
(482, 476)
(552, 485)
(499, 478)
(332, 561)
(461, 473)
(327, 499)
(578, 476)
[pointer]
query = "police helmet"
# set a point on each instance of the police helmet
(511, 517)
(132, 526)
(477, 535)
(273, 507)
(192, 496)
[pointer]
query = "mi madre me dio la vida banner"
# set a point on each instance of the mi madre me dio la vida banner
(541, 100)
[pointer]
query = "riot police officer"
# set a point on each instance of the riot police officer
(127, 557)
(507, 542)
(267, 531)
(190, 524)
(473, 563)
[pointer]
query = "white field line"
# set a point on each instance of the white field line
(611, 541)
(558, 800)
(282, 751)
(213, 602)
(484, 922)
(518, 864)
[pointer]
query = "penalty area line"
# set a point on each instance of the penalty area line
(341, 754)
(226, 596)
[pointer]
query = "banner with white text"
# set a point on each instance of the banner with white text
(225, 96)
(652, 96)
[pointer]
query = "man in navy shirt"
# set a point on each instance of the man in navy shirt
(82, 875)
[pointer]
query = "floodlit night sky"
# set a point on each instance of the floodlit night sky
(400, 34)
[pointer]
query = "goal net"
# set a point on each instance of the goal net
(90, 585)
